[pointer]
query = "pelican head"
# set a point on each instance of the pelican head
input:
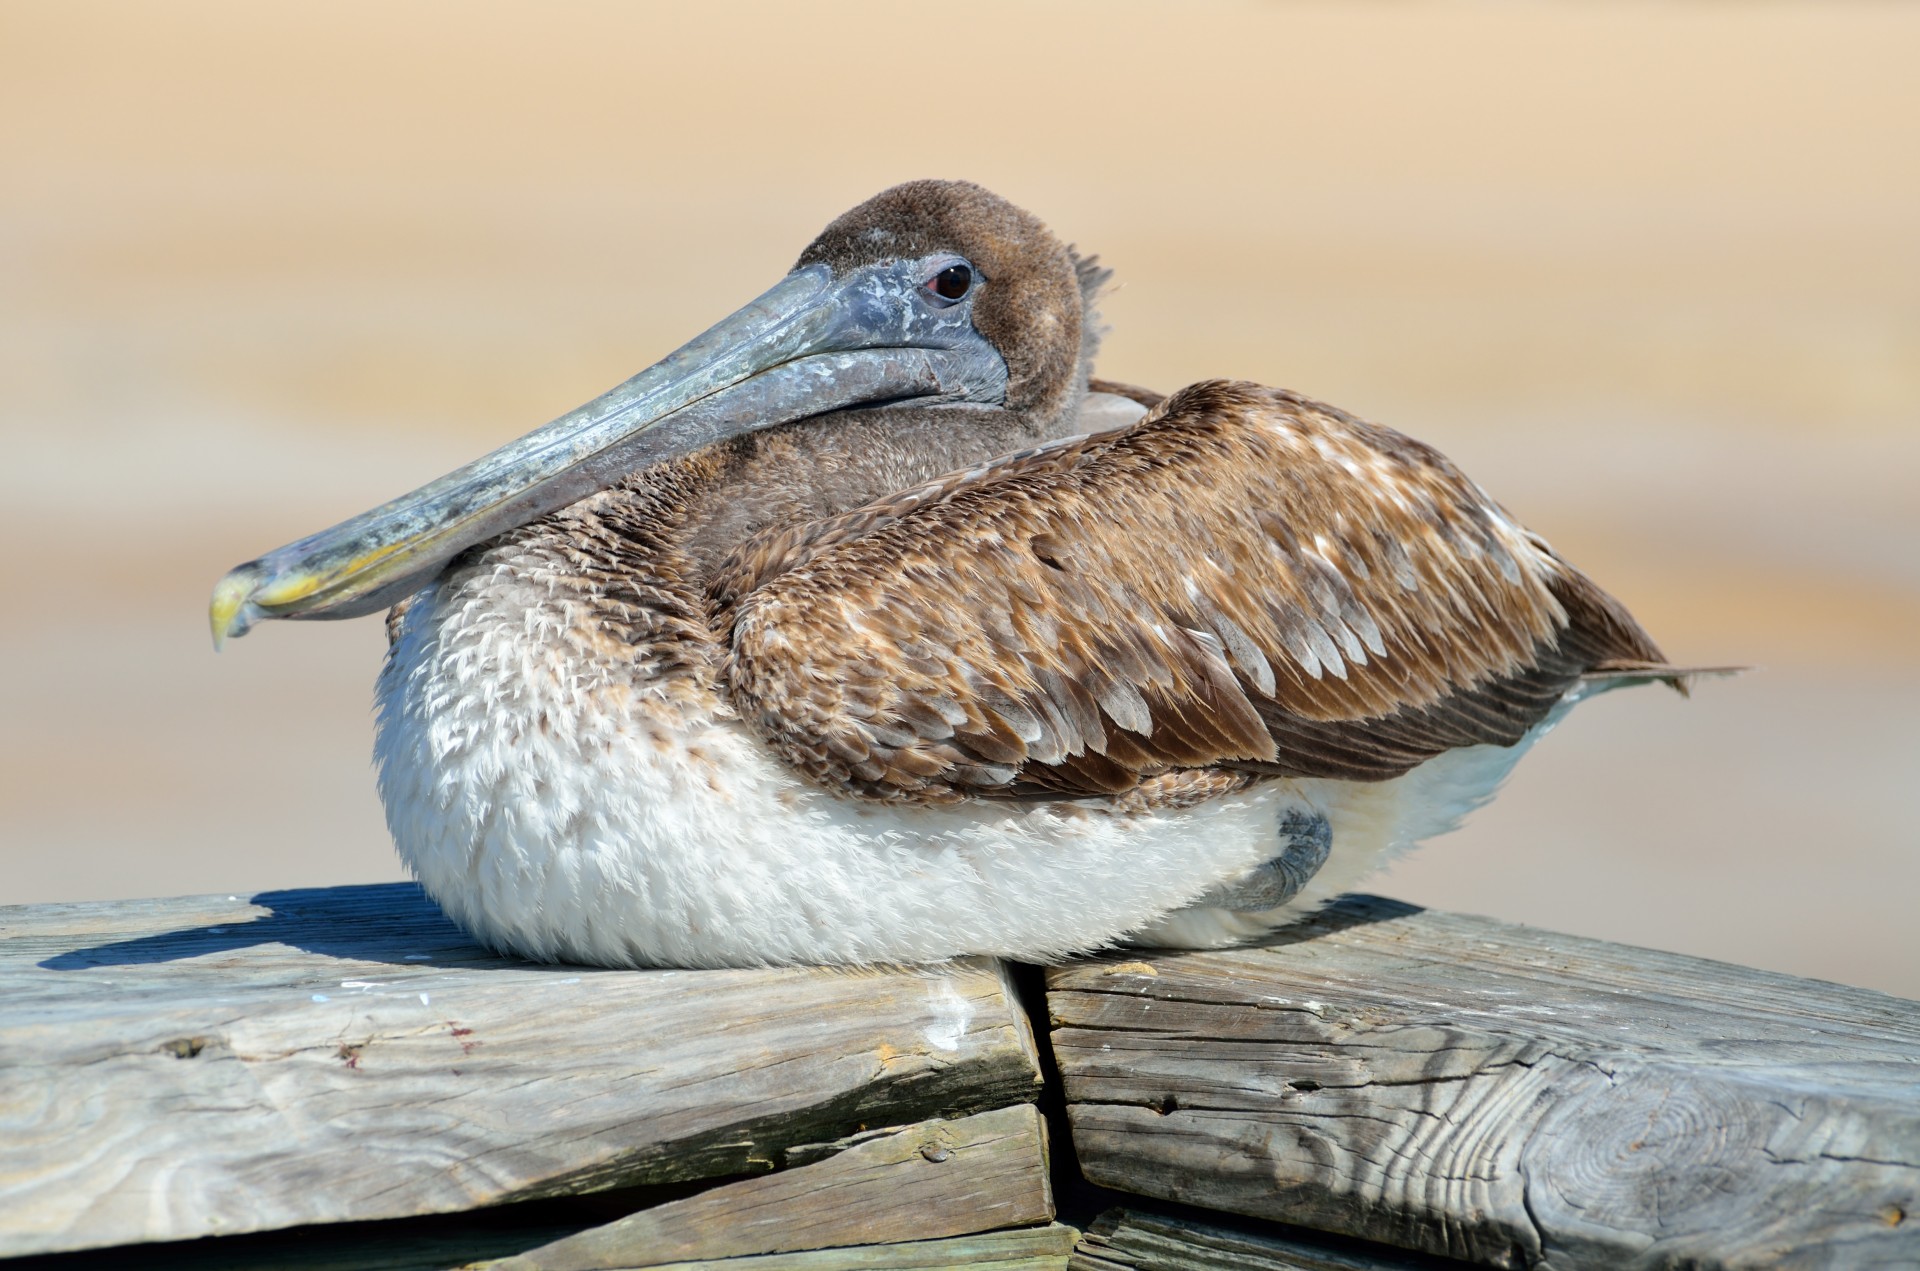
(932, 293)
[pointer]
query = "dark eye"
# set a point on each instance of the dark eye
(952, 282)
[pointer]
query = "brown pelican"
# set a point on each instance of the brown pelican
(836, 637)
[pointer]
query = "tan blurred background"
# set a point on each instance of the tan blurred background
(1650, 271)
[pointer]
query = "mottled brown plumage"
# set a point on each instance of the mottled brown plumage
(1244, 580)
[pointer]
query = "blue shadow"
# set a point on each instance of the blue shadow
(378, 922)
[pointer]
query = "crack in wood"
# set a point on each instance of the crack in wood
(1544, 1101)
(1419, 1105)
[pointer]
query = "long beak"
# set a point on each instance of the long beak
(813, 343)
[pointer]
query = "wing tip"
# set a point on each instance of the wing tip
(1619, 672)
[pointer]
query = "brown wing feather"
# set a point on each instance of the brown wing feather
(1245, 579)
(1132, 392)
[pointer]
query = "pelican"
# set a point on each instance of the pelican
(869, 627)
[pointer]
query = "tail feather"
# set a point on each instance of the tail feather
(1621, 672)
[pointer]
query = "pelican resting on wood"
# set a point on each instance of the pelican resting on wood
(867, 627)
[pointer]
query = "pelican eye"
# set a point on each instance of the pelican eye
(952, 283)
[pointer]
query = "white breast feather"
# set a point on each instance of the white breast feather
(557, 806)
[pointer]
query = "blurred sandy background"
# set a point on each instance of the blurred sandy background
(1650, 271)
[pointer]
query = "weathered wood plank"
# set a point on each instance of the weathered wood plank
(1029, 1249)
(921, 1182)
(171, 1069)
(1036, 1249)
(434, 1243)
(1033, 1248)
(1128, 1240)
(1500, 1094)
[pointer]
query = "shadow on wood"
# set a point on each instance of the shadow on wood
(379, 922)
(322, 1059)
(223, 1067)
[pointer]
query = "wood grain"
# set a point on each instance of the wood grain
(1129, 1240)
(172, 1069)
(1035, 1249)
(1025, 1249)
(1504, 1095)
(935, 1179)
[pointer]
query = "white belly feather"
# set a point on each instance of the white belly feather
(564, 809)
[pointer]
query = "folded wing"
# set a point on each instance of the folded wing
(1245, 580)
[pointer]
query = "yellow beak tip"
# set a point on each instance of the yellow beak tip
(224, 615)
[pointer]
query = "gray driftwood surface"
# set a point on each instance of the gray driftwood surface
(178, 1068)
(1503, 1095)
(935, 1179)
(1034, 1249)
(1127, 1240)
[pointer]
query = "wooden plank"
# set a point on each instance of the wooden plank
(935, 1179)
(1029, 1249)
(172, 1069)
(1129, 1240)
(433, 1243)
(1036, 1249)
(1503, 1095)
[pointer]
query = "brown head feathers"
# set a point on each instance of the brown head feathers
(1030, 304)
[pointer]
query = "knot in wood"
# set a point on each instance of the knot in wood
(1654, 1149)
